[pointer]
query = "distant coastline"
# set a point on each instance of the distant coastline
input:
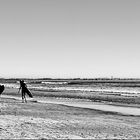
(2, 78)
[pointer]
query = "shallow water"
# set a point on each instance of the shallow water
(123, 91)
(99, 106)
(85, 104)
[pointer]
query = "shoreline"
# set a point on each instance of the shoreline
(92, 97)
(106, 107)
(34, 120)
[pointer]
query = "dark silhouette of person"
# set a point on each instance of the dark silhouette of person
(1, 89)
(24, 90)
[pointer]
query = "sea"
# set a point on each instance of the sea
(122, 88)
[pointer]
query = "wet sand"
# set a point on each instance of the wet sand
(66, 118)
(35, 120)
(124, 110)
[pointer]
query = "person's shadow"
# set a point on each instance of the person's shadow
(1, 89)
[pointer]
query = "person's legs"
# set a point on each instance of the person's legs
(25, 97)
(22, 96)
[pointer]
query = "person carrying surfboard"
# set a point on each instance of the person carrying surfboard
(24, 90)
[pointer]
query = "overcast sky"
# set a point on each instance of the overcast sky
(70, 38)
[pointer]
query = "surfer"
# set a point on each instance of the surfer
(24, 89)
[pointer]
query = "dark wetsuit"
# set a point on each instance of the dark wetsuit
(23, 89)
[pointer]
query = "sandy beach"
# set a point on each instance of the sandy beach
(34, 120)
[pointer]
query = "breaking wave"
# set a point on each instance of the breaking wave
(55, 86)
(54, 83)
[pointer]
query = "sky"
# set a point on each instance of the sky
(69, 38)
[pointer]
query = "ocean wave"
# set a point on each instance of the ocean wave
(54, 83)
(88, 89)
(121, 91)
(10, 85)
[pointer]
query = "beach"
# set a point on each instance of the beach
(76, 62)
(51, 120)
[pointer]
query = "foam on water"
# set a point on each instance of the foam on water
(54, 83)
(58, 86)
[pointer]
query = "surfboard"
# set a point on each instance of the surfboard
(28, 92)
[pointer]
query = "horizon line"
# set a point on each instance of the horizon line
(69, 78)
